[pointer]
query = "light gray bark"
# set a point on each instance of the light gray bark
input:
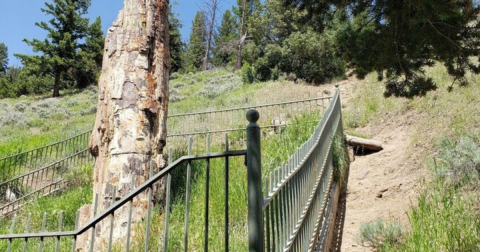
(130, 126)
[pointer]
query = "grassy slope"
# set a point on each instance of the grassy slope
(275, 150)
(446, 218)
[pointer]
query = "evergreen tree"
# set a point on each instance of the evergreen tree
(90, 57)
(397, 39)
(196, 46)
(226, 40)
(95, 42)
(3, 58)
(248, 13)
(176, 44)
(58, 52)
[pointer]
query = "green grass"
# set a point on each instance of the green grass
(67, 203)
(31, 122)
(276, 149)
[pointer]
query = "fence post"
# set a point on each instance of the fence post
(254, 177)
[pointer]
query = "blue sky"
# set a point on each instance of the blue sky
(18, 17)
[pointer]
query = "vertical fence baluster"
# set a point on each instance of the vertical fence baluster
(27, 230)
(187, 198)
(112, 218)
(226, 194)
(149, 209)
(272, 223)
(92, 235)
(276, 208)
(12, 229)
(207, 195)
(129, 224)
(74, 238)
(44, 222)
(267, 216)
(60, 223)
(167, 203)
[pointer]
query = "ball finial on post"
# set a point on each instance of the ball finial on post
(253, 116)
(254, 185)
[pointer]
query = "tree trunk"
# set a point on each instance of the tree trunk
(130, 126)
(213, 5)
(241, 41)
(56, 85)
(364, 143)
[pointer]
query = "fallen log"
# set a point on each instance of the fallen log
(367, 144)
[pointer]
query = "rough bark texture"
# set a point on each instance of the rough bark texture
(364, 143)
(130, 126)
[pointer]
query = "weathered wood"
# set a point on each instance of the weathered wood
(130, 126)
(364, 143)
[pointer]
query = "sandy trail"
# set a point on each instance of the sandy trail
(383, 184)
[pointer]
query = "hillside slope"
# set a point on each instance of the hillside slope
(387, 184)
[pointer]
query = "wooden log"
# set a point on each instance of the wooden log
(364, 143)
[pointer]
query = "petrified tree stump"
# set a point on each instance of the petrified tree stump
(130, 126)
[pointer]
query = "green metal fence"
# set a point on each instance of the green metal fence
(297, 194)
(68, 240)
(289, 215)
(39, 172)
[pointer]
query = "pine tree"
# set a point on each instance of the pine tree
(248, 13)
(95, 42)
(196, 46)
(84, 71)
(397, 39)
(177, 47)
(3, 58)
(58, 52)
(226, 40)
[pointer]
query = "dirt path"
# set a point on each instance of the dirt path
(384, 184)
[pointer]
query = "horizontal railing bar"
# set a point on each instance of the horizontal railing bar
(267, 201)
(130, 195)
(39, 235)
(154, 179)
(32, 193)
(181, 115)
(220, 131)
(45, 146)
(253, 106)
(43, 168)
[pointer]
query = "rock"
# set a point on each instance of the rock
(381, 192)
(362, 174)
(9, 195)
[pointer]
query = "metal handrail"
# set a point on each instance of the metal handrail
(45, 146)
(127, 198)
(253, 106)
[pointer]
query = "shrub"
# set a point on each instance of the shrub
(89, 111)
(218, 85)
(14, 118)
(179, 85)
(47, 103)
(175, 96)
(72, 102)
(379, 233)
(174, 76)
(21, 106)
(248, 75)
(459, 162)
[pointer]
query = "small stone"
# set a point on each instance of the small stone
(381, 192)
(362, 174)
